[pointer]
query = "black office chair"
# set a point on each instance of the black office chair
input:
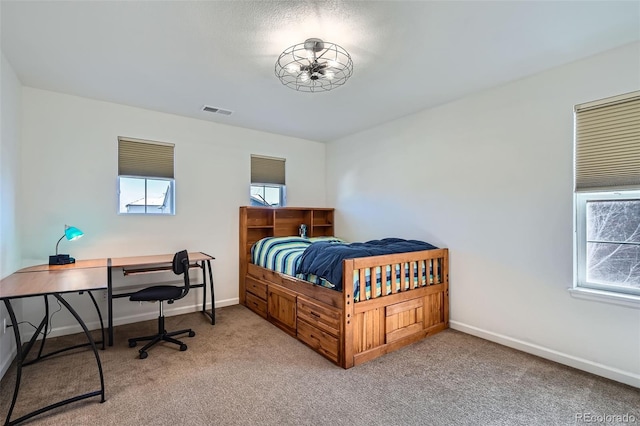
(162, 293)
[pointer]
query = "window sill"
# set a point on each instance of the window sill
(627, 300)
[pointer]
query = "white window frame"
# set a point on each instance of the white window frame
(282, 192)
(591, 290)
(172, 186)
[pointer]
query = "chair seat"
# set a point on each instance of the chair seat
(157, 293)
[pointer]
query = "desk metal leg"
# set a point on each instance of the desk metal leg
(213, 298)
(95, 304)
(22, 353)
(19, 356)
(110, 301)
(207, 265)
(46, 327)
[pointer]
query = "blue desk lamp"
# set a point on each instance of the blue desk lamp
(72, 233)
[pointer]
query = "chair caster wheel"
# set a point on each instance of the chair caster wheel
(143, 354)
(192, 333)
(133, 343)
(183, 347)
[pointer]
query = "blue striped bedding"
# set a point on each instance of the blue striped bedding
(280, 254)
(283, 254)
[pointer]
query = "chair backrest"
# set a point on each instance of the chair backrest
(181, 267)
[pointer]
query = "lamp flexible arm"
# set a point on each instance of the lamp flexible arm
(58, 243)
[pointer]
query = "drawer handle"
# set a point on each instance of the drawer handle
(314, 314)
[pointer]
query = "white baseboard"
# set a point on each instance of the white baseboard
(95, 325)
(612, 373)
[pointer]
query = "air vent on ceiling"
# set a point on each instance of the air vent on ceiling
(215, 110)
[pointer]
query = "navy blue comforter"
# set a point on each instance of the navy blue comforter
(325, 259)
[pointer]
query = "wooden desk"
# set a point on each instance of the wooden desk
(54, 280)
(158, 263)
(83, 276)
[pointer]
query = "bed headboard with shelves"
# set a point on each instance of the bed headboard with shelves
(260, 222)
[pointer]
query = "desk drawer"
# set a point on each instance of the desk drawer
(323, 343)
(322, 317)
(256, 287)
(256, 304)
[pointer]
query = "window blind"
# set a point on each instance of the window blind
(145, 158)
(267, 170)
(607, 143)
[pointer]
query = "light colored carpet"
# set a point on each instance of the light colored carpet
(245, 371)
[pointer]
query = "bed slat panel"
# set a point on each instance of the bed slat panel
(411, 280)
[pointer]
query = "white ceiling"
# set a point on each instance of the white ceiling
(178, 56)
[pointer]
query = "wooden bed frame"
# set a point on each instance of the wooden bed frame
(344, 330)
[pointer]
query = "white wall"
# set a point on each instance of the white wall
(69, 171)
(490, 177)
(10, 93)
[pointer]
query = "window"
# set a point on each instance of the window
(607, 185)
(145, 177)
(267, 181)
(609, 235)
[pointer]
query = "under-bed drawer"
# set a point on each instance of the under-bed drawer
(256, 304)
(256, 287)
(323, 343)
(322, 317)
